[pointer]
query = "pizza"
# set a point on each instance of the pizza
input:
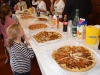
(45, 36)
(75, 58)
(37, 26)
(26, 16)
(42, 19)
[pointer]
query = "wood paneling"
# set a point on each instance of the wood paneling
(95, 16)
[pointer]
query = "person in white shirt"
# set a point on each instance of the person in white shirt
(41, 6)
(33, 2)
(60, 7)
(22, 3)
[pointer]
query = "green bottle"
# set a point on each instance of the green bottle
(38, 12)
(74, 26)
(20, 7)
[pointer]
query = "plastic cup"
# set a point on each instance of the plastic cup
(92, 34)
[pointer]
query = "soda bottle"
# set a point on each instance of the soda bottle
(74, 27)
(65, 23)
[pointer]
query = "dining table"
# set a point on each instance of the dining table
(43, 52)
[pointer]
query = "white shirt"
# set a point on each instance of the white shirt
(33, 1)
(59, 6)
(41, 5)
(23, 4)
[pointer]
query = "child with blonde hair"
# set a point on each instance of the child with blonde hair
(21, 53)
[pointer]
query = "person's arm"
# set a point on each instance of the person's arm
(62, 7)
(52, 7)
(25, 50)
(67, 7)
(43, 7)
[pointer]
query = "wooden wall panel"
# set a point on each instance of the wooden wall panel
(94, 18)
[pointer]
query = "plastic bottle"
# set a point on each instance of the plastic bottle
(65, 23)
(55, 19)
(74, 27)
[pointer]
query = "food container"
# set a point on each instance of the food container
(92, 34)
(81, 26)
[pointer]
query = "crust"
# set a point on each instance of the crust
(53, 54)
(76, 69)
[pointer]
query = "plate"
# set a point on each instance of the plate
(93, 69)
(37, 26)
(27, 16)
(42, 18)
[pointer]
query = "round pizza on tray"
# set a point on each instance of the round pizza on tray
(75, 58)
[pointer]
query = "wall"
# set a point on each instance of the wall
(95, 16)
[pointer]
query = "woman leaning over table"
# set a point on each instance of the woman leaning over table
(60, 7)
(5, 22)
(41, 6)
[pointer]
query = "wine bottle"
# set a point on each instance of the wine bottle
(38, 12)
(20, 7)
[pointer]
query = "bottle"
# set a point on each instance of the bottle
(31, 9)
(99, 44)
(65, 23)
(38, 12)
(20, 7)
(55, 19)
(74, 27)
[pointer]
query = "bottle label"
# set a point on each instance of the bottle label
(74, 31)
(65, 23)
(55, 22)
(38, 14)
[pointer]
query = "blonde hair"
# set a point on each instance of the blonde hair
(12, 32)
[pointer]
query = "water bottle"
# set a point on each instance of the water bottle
(74, 26)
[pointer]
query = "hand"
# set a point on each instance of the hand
(27, 41)
(15, 7)
(51, 1)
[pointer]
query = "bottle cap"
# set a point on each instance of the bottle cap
(77, 10)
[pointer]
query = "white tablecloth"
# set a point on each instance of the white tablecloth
(43, 53)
